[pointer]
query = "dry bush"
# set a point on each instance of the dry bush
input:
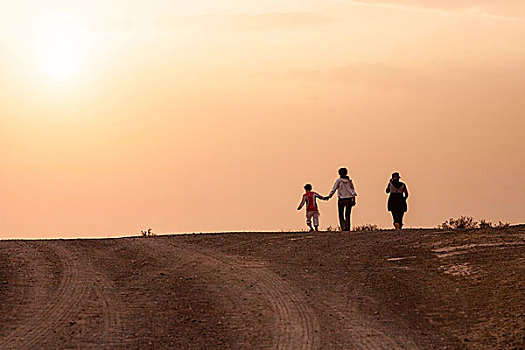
(332, 229)
(463, 222)
(147, 233)
(468, 222)
(485, 224)
(502, 225)
(366, 227)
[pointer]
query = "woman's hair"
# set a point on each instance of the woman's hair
(343, 172)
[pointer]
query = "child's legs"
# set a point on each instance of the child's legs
(316, 218)
(309, 215)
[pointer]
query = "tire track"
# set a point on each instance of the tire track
(22, 284)
(53, 315)
(296, 325)
(112, 332)
(364, 334)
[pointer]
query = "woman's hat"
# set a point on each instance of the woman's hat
(396, 174)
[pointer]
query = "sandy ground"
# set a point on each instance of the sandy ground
(417, 289)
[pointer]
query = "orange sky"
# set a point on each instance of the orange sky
(211, 116)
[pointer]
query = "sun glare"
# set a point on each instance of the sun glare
(61, 46)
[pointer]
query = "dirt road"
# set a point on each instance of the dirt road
(381, 290)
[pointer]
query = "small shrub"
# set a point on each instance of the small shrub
(502, 225)
(463, 222)
(485, 224)
(331, 229)
(147, 233)
(366, 227)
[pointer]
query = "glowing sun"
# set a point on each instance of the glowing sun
(61, 46)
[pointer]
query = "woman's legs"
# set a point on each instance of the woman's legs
(348, 212)
(344, 206)
(341, 210)
(398, 219)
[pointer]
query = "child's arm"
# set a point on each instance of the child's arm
(302, 203)
(317, 195)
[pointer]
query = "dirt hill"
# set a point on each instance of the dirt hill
(415, 289)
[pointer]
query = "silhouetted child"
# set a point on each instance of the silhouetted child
(312, 211)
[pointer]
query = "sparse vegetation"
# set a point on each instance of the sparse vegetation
(485, 224)
(463, 222)
(502, 225)
(468, 222)
(366, 227)
(147, 233)
(332, 229)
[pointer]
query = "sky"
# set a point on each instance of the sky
(210, 116)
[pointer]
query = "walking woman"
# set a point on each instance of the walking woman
(397, 201)
(346, 193)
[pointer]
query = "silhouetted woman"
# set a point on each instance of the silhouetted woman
(397, 201)
(346, 193)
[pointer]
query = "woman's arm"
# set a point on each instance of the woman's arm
(406, 192)
(353, 188)
(334, 189)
